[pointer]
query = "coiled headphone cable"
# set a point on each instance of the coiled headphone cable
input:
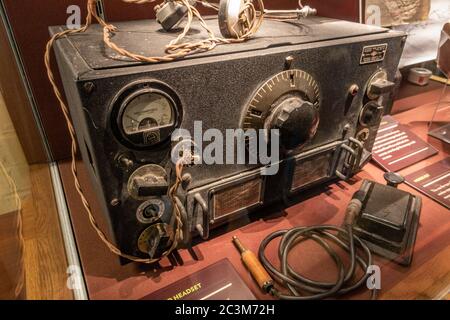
(297, 287)
(322, 235)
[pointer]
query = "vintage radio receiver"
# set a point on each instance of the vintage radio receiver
(321, 83)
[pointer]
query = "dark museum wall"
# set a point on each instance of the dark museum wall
(30, 32)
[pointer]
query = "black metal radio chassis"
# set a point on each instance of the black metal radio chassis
(216, 87)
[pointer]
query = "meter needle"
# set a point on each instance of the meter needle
(132, 119)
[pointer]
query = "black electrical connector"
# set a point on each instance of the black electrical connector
(389, 219)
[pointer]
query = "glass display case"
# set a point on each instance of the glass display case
(439, 127)
(440, 123)
(14, 186)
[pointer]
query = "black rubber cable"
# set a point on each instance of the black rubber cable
(297, 283)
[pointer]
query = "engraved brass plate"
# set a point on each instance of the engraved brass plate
(311, 170)
(237, 198)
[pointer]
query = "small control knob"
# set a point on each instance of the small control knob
(393, 179)
(125, 162)
(379, 85)
(371, 114)
(296, 119)
(159, 240)
(153, 209)
(150, 185)
(147, 181)
(156, 239)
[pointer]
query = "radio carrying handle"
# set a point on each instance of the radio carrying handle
(352, 159)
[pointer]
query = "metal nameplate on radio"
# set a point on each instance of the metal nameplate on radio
(375, 53)
(313, 168)
(236, 197)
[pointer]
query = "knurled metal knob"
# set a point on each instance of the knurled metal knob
(296, 120)
(393, 179)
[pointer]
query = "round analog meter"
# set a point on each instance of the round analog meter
(148, 111)
(146, 114)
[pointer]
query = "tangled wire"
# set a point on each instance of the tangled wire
(250, 20)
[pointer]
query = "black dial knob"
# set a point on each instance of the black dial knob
(149, 185)
(146, 181)
(393, 179)
(297, 121)
(288, 101)
(156, 239)
(371, 114)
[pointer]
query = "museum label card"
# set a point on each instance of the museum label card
(397, 147)
(220, 281)
(433, 181)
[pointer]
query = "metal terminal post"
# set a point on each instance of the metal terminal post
(230, 12)
(304, 12)
(239, 245)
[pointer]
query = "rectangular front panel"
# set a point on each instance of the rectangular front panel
(325, 82)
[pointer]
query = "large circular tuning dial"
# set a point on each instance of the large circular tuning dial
(289, 102)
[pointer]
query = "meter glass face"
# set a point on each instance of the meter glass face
(149, 111)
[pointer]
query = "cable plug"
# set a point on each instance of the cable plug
(354, 208)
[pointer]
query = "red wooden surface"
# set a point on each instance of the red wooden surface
(428, 276)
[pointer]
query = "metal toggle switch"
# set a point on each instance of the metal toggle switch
(379, 85)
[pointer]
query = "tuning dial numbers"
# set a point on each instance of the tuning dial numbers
(289, 101)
